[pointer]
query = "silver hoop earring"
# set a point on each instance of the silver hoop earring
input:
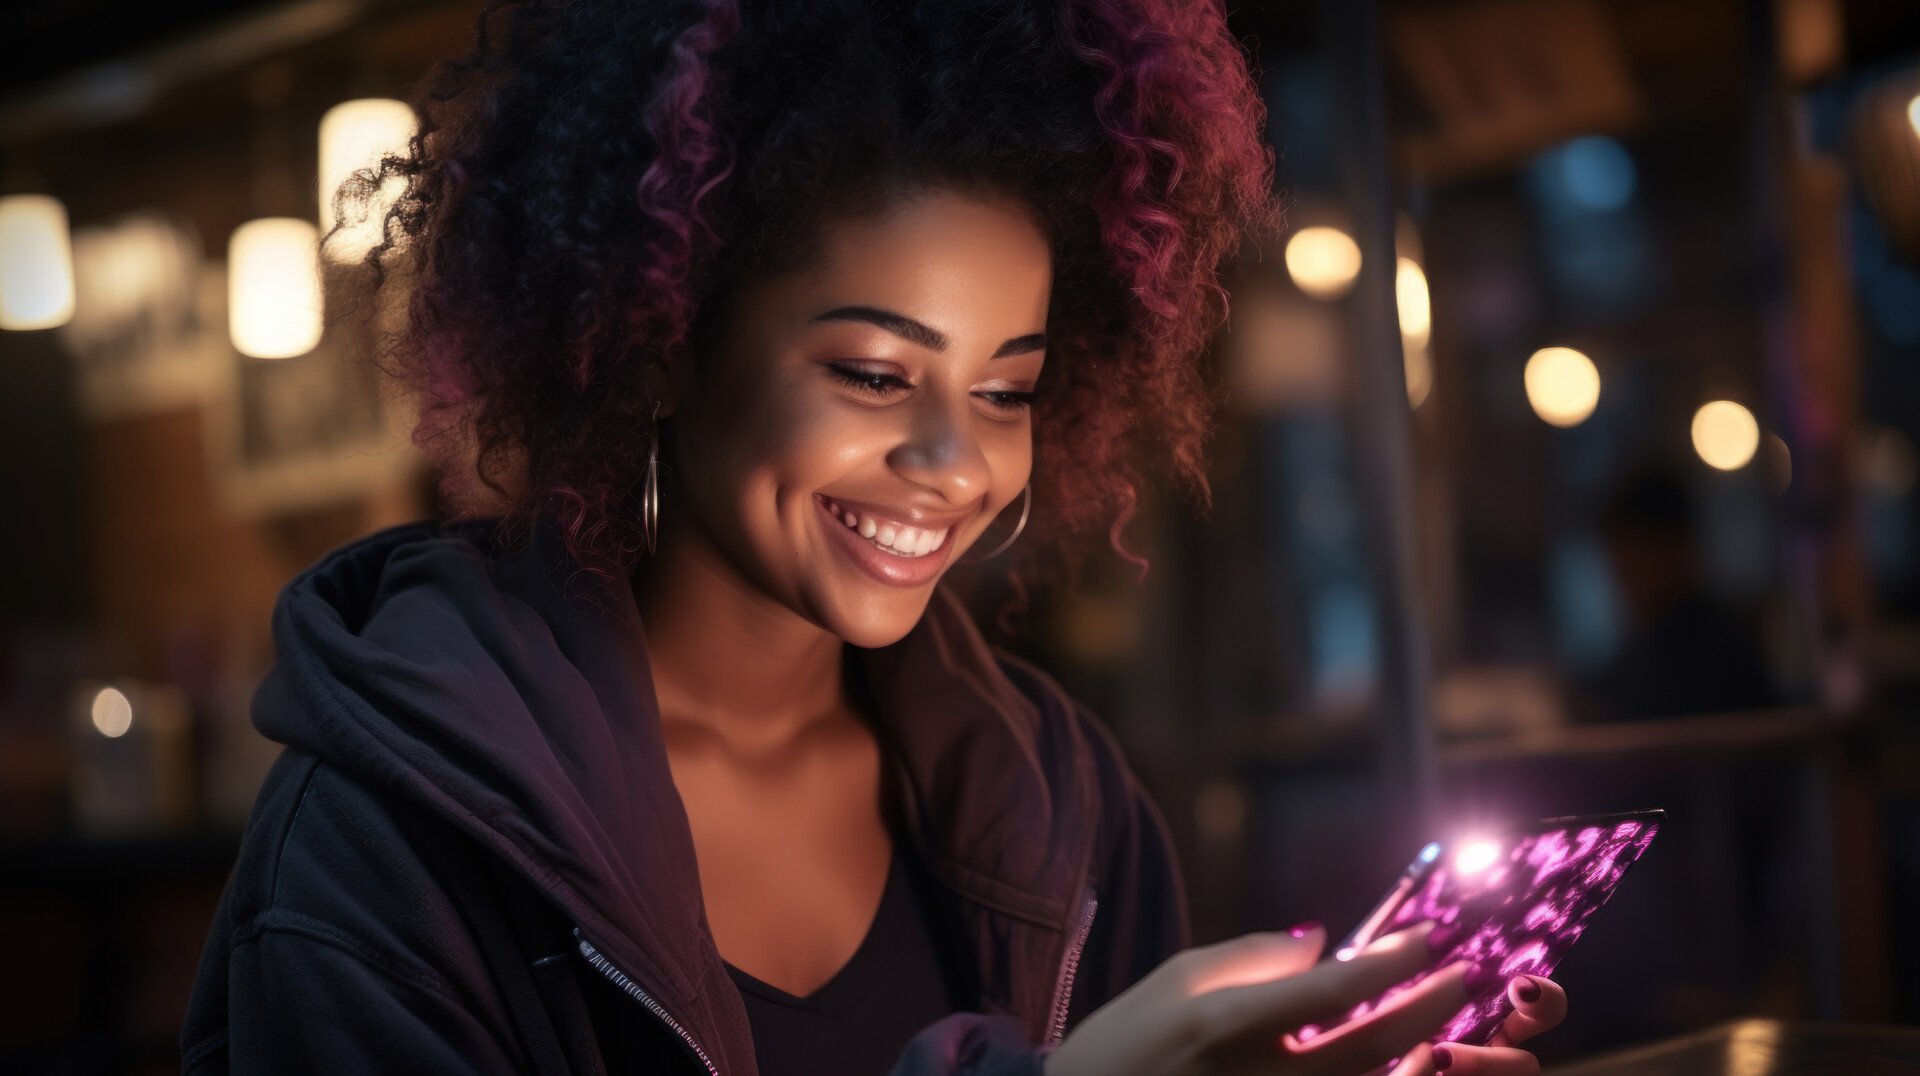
(650, 493)
(1026, 504)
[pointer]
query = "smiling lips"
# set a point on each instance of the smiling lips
(900, 539)
(892, 551)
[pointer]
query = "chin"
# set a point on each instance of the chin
(883, 620)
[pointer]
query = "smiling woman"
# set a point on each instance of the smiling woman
(821, 287)
(890, 379)
(558, 253)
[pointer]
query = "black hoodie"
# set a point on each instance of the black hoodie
(471, 857)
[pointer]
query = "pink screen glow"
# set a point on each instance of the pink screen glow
(1530, 899)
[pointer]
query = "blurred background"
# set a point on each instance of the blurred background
(1569, 466)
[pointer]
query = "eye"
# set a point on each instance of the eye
(865, 381)
(1011, 402)
(882, 385)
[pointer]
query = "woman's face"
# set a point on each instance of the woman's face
(883, 385)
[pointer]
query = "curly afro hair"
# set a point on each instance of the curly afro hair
(591, 178)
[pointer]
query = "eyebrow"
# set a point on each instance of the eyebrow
(921, 333)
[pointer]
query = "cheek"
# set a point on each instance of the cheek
(803, 440)
(769, 453)
(1010, 454)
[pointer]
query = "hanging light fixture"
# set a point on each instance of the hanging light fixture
(1725, 435)
(1563, 386)
(36, 263)
(1416, 305)
(1323, 260)
(353, 135)
(273, 288)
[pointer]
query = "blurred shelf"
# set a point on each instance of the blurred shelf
(1730, 732)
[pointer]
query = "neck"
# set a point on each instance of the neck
(728, 659)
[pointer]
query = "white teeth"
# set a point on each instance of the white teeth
(894, 538)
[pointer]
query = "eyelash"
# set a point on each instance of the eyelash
(864, 382)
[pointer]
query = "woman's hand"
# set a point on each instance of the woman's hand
(1538, 1004)
(1231, 1008)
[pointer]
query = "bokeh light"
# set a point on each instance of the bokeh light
(112, 712)
(1563, 386)
(273, 287)
(1913, 114)
(1323, 261)
(1725, 435)
(1418, 367)
(354, 135)
(1416, 306)
(36, 263)
(1594, 174)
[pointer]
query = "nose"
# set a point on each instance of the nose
(941, 450)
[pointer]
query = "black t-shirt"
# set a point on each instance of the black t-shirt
(897, 982)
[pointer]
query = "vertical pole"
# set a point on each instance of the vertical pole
(1380, 422)
(1791, 406)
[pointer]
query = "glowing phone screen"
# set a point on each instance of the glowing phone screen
(1521, 899)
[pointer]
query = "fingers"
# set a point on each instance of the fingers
(1389, 1031)
(1418, 1062)
(1252, 958)
(1269, 1008)
(1538, 1004)
(1453, 1059)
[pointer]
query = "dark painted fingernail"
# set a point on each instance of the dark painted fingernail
(1480, 979)
(1442, 1058)
(1528, 990)
(1305, 928)
(1444, 938)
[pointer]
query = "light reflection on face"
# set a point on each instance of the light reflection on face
(824, 383)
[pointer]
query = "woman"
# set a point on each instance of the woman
(667, 753)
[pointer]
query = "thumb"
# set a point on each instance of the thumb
(1255, 958)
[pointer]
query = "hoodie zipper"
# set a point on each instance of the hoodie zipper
(1069, 964)
(624, 982)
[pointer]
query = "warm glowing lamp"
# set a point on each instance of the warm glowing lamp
(353, 135)
(1725, 435)
(1913, 114)
(1563, 386)
(273, 287)
(1417, 364)
(112, 712)
(1323, 261)
(36, 263)
(1416, 307)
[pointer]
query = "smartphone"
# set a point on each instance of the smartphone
(1518, 899)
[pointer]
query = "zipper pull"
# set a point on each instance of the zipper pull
(632, 989)
(1069, 965)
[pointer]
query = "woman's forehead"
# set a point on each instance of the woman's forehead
(945, 260)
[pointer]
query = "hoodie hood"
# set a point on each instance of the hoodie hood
(511, 693)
